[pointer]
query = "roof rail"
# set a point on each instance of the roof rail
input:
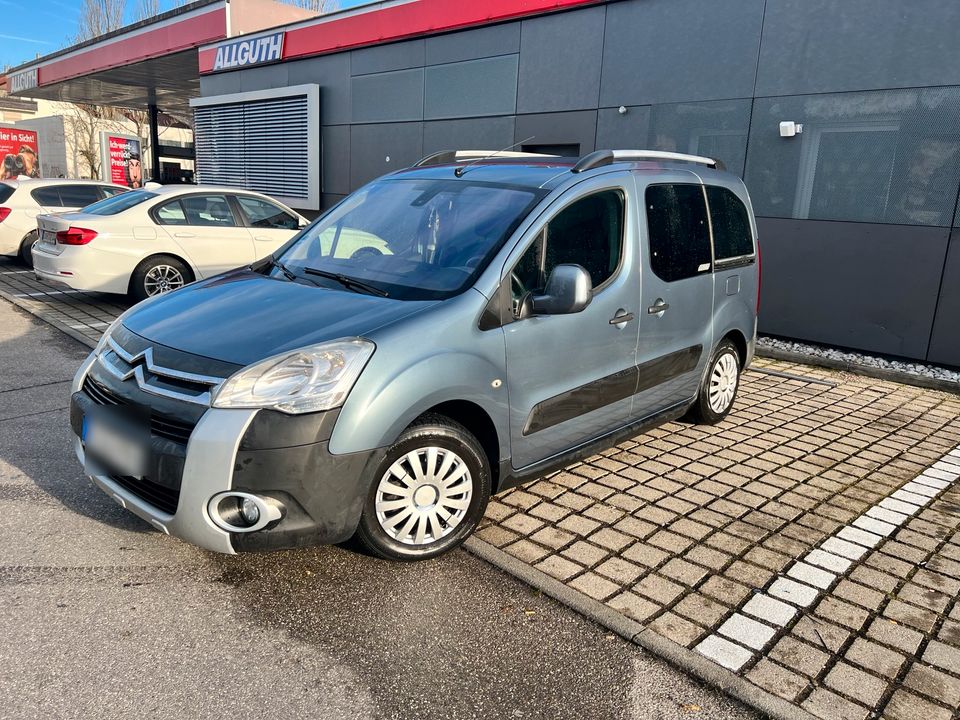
(445, 157)
(608, 157)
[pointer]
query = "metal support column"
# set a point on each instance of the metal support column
(154, 144)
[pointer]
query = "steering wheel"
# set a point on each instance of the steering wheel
(517, 292)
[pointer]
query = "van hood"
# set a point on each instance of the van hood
(243, 317)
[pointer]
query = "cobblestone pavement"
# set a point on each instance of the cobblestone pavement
(809, 543)
(85, 314)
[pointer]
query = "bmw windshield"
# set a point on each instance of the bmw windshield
(410, 239)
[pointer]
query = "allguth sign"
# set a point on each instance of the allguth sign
(243, 53)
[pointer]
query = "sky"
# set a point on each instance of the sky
(40, 27)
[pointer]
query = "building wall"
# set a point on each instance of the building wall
(858, 214)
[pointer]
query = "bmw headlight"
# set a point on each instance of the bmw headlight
(313, 378)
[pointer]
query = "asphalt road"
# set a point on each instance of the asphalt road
(102, 617)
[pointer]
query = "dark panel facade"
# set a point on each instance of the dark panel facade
(869, 287)
(480, 133)
(665, 51)
(376, 150)
(560, 58)
(855, 211)
(479, 43)
(388, 97)
(579, 129)
(890, 156)
(817, 46)
(945, 340)
(471, 88)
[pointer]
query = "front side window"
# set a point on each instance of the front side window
(415, 239)
(732, 236)
(588, 232)
(263, 214)
(678, 231)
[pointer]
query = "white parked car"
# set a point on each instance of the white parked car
(22, 201)
(151, 241)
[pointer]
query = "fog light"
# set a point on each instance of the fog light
(249, 511)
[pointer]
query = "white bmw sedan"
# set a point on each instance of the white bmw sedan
(151, 241)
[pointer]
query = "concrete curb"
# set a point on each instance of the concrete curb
(896, 376)
(78, 336)
(683, 658)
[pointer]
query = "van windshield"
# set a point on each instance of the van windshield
(412, 239)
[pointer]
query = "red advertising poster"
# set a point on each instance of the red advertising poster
(126, 163)
(20, 153)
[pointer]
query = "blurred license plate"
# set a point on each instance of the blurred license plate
(115, 443)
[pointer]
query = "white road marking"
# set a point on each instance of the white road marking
(811, 577)
(51, 292)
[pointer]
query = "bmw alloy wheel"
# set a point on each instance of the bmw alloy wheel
(161, 279)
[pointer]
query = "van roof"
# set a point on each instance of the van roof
(548, 171)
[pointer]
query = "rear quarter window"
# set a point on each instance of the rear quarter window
(732, 235)
(6, 191)
(46, 196)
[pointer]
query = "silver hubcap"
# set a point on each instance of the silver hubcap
(723, 383)
(424, 496)
(161, 279)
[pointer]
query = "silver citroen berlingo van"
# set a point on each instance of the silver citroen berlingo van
(446, 332)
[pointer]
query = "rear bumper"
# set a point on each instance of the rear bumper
(322, 495)
(78, 269)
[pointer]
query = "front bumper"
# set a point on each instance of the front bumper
(262, 452)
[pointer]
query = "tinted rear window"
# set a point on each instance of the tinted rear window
(119, 203)
(679, 233)
(5, 192)
(78, 196)
(732, 236)
(46, 196)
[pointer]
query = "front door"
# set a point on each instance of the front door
(208, 231)
(571, 377)
(676, 331)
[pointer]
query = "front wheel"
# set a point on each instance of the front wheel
(720, 385)
(427, 494)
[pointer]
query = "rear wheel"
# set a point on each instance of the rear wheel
(26, 247)
(427, 494)
(158, 275)
(720, 385)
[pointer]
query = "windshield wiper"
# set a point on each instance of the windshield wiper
(347, 282)
(282, 268)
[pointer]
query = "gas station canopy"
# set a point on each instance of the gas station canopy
(150, 63)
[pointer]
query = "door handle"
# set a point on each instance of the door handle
(621, 318)
(658, 307)
(184, 235)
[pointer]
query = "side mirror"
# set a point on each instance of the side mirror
(569, 290)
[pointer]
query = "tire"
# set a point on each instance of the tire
(158, 274)
(399, 525)
(25, 254)
(720, 385)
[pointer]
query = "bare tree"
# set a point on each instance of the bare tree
(146, 9)
(320, 7)
(98, 17)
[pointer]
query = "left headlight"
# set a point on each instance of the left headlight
(314, 378)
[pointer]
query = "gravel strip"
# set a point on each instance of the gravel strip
(855, 358)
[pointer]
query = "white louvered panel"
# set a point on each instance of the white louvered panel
(262, 145)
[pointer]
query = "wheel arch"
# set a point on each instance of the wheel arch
(475, 419)
(740, 343)
(151, 256)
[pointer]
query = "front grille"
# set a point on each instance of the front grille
(161, 497)
(176, 430)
